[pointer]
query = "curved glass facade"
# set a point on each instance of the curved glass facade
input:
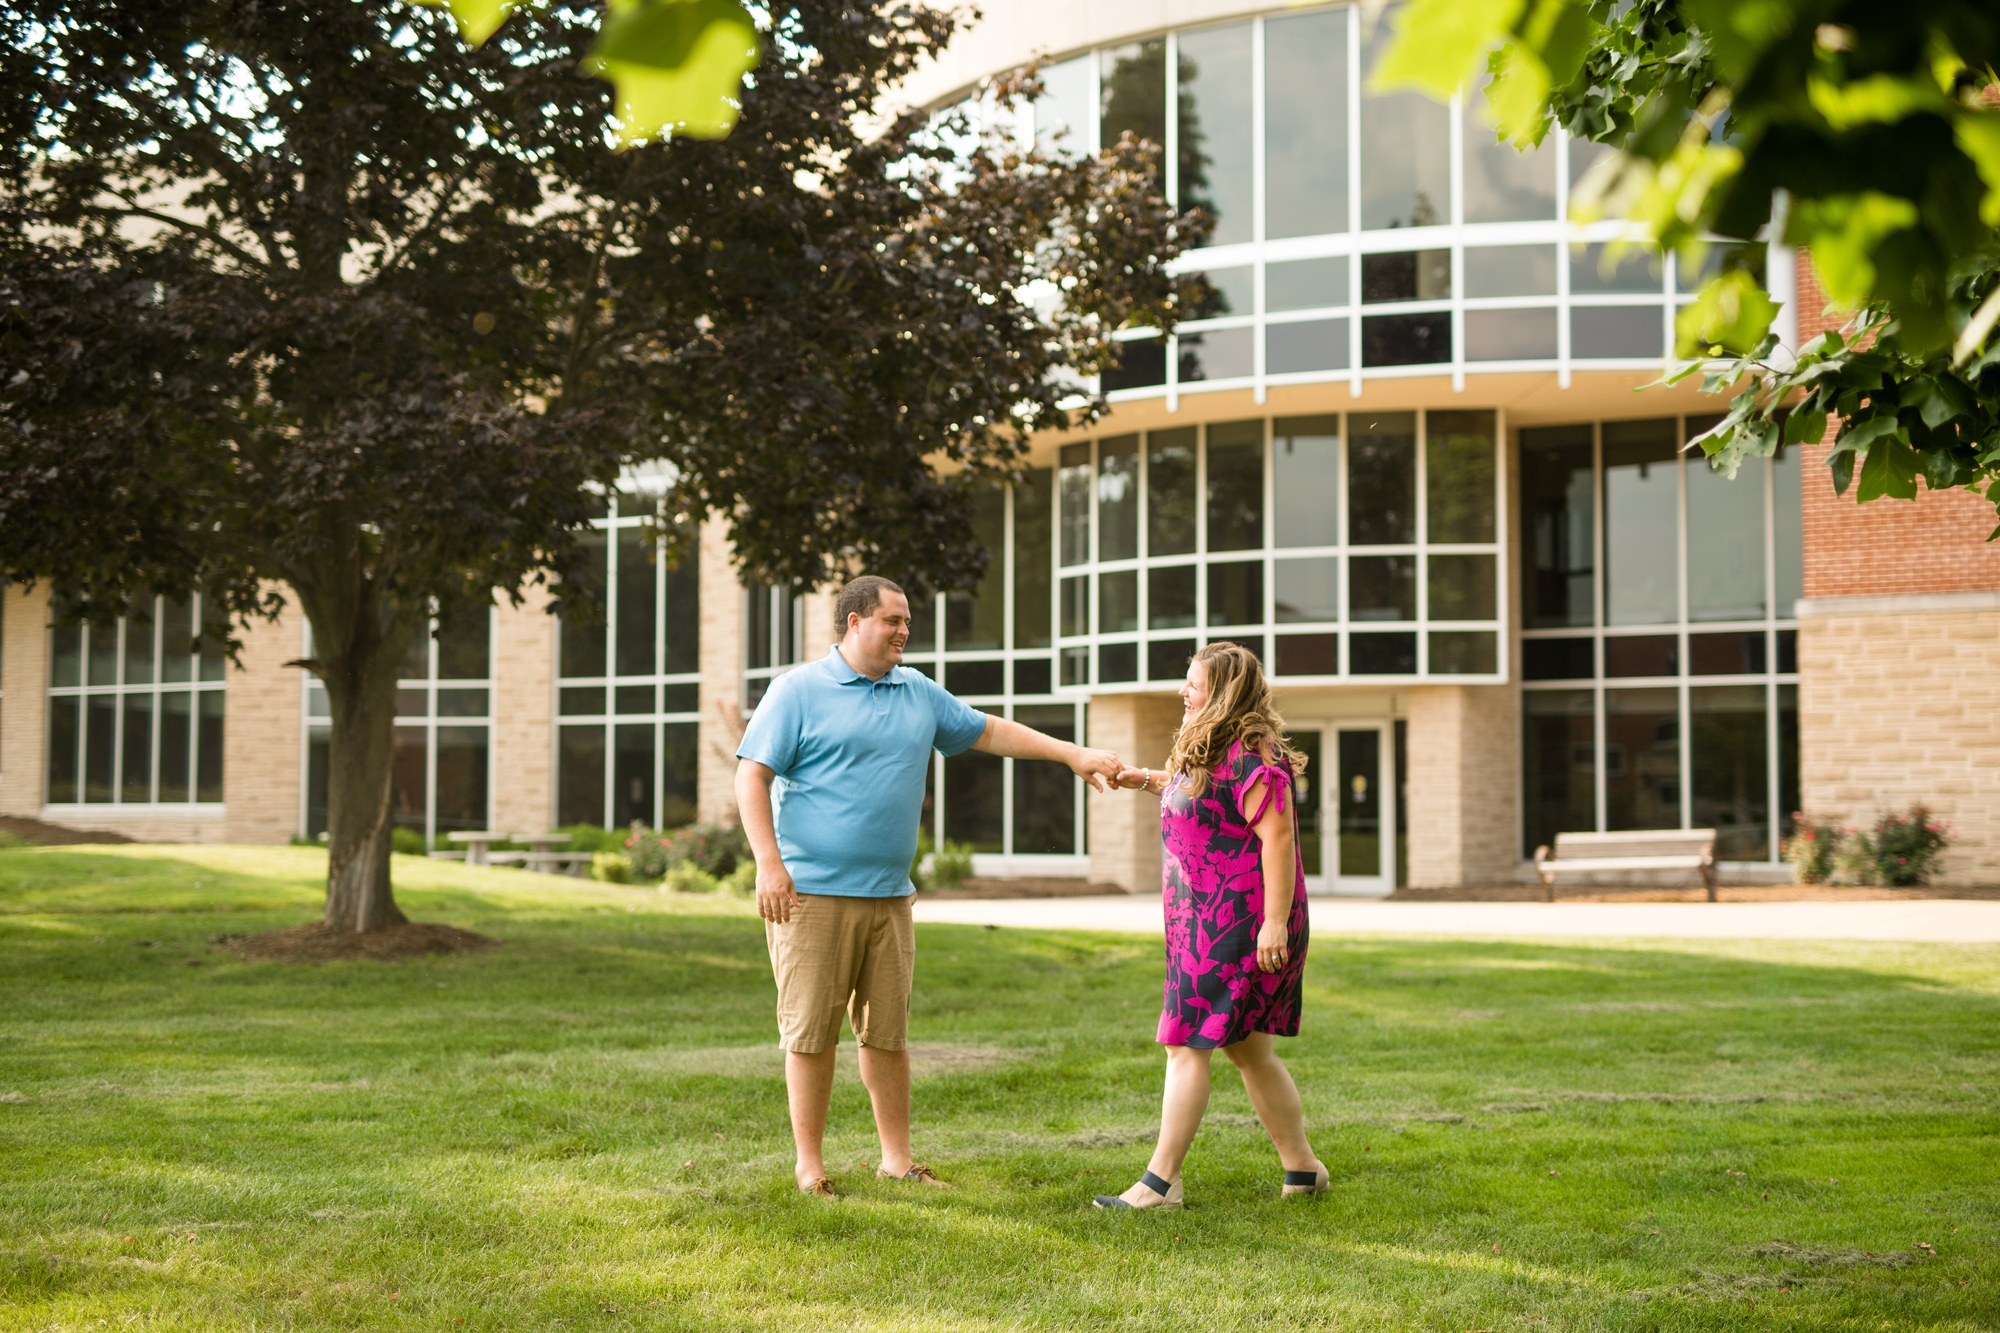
(1356, 234)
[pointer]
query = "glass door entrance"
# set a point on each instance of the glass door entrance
(1347, 808)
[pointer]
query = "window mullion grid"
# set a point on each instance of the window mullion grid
(1681, 634)
(1353, 202)
(1423, 533)
(1773, 793)
(1201, 536)
(1257, 202)
(1598, 598)
(1342, 610)
(1456, 157)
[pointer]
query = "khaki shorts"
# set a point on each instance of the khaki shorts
(835, 954)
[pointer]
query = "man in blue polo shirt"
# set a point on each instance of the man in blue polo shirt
(830, 784)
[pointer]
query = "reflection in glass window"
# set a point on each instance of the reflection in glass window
(1307, 591)
(1405, 153)
(1592, 270)
(1075, 607)
(1045, 794)
(1461, 587)
(1510, 270)
(1721, 257)
(1236, 593)
(1170, 597)
(1787, 533)
(1459, 470)
(1558, 520)
(1615, 333)
(636, 605)
(1382, 587)
(1406, 340)
(1729, 769)
(1118, 498)
(1464, 652)
(1559, 766)
(1382, 654)
(978, 620)
(1306, 345)
(1642, 759)
(1033, 610)
(1382, 478)
(1118, 602)
(1236, 486)
(1218, 354)
(1306, 284)
(1305, 124)
(973, 800)
(1142, 364)
(1725, 541)
(1407, 275)
(1170, 491)
(582, 639)
(1641, 518)
(1214, 132)
(1305, 491)
(1227, 291)
(1062, 112)
(1503, 184)
(1512, 335)
(1074, 483)
(1132, 92)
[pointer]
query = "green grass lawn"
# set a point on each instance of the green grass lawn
(585, 1129)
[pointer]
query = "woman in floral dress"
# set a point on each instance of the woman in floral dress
(1235, 897)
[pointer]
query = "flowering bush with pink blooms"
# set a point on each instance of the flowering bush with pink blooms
(1900, 850)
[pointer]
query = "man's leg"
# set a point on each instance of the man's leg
(809, 1087)
(886, 1074)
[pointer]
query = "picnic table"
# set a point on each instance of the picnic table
(479, 847)
(542, 855)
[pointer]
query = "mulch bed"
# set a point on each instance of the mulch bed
(54, 835)
(320, 943)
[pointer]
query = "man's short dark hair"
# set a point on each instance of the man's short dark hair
(860, 598)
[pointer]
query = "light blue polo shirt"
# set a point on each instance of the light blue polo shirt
(851, 755)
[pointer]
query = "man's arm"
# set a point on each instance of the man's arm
(776, 894)
(1002, 737)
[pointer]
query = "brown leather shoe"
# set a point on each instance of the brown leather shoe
(918, 1173)
(820, 1189)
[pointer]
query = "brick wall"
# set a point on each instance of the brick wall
(524, 650)
(261, 739)
(721, 675)
(24, 657)
(1936, 543)
(1125, 825)
(1464, 758)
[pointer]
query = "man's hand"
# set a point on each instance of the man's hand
(1097, 767)
(776, 895)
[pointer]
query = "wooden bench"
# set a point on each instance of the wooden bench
(1638, 849)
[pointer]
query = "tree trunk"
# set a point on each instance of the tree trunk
(360, 679)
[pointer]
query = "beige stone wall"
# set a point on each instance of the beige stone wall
(721, 674)
(1902, 706)
(1463, 757)
(24, 657)
(523, 753)
(262, 736)
(1125, 825)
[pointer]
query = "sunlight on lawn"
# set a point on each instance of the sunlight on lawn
(587, 1125)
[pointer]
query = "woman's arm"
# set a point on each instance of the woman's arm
(1280, 865)
(1152, 780)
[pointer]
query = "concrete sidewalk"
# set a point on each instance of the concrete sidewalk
(1933, 920)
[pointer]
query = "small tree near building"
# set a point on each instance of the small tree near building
(314, 301)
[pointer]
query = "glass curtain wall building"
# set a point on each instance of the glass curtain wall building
(1356, 234)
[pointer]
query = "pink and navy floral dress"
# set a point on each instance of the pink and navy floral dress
(1214, 892)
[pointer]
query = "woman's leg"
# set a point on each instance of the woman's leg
(1275, 1097)
(1181, 1109)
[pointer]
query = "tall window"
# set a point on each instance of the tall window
(628, 697)
(441, 782)
(136, 708)
(1659, 640)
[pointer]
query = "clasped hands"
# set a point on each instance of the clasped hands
(1104, 771)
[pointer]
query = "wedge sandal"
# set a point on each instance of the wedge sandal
(1168, 1195)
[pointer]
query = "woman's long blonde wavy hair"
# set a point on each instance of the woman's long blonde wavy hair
(1239, 707)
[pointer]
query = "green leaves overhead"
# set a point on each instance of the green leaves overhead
(1733, 313)
(678, 65)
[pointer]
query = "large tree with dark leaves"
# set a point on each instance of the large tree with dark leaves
(308, 299)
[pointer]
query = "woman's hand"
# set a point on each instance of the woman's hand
(1273, 945)
(1132, 779)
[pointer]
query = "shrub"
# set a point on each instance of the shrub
(919, 873)
(407, 841)
(591, 838)
(687, 877)
(714, 849)
(1853, 860)
(951, 865)
(647, 850)
(611, 867)
(1907, 846)
(1810, 850)
(742, 881)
